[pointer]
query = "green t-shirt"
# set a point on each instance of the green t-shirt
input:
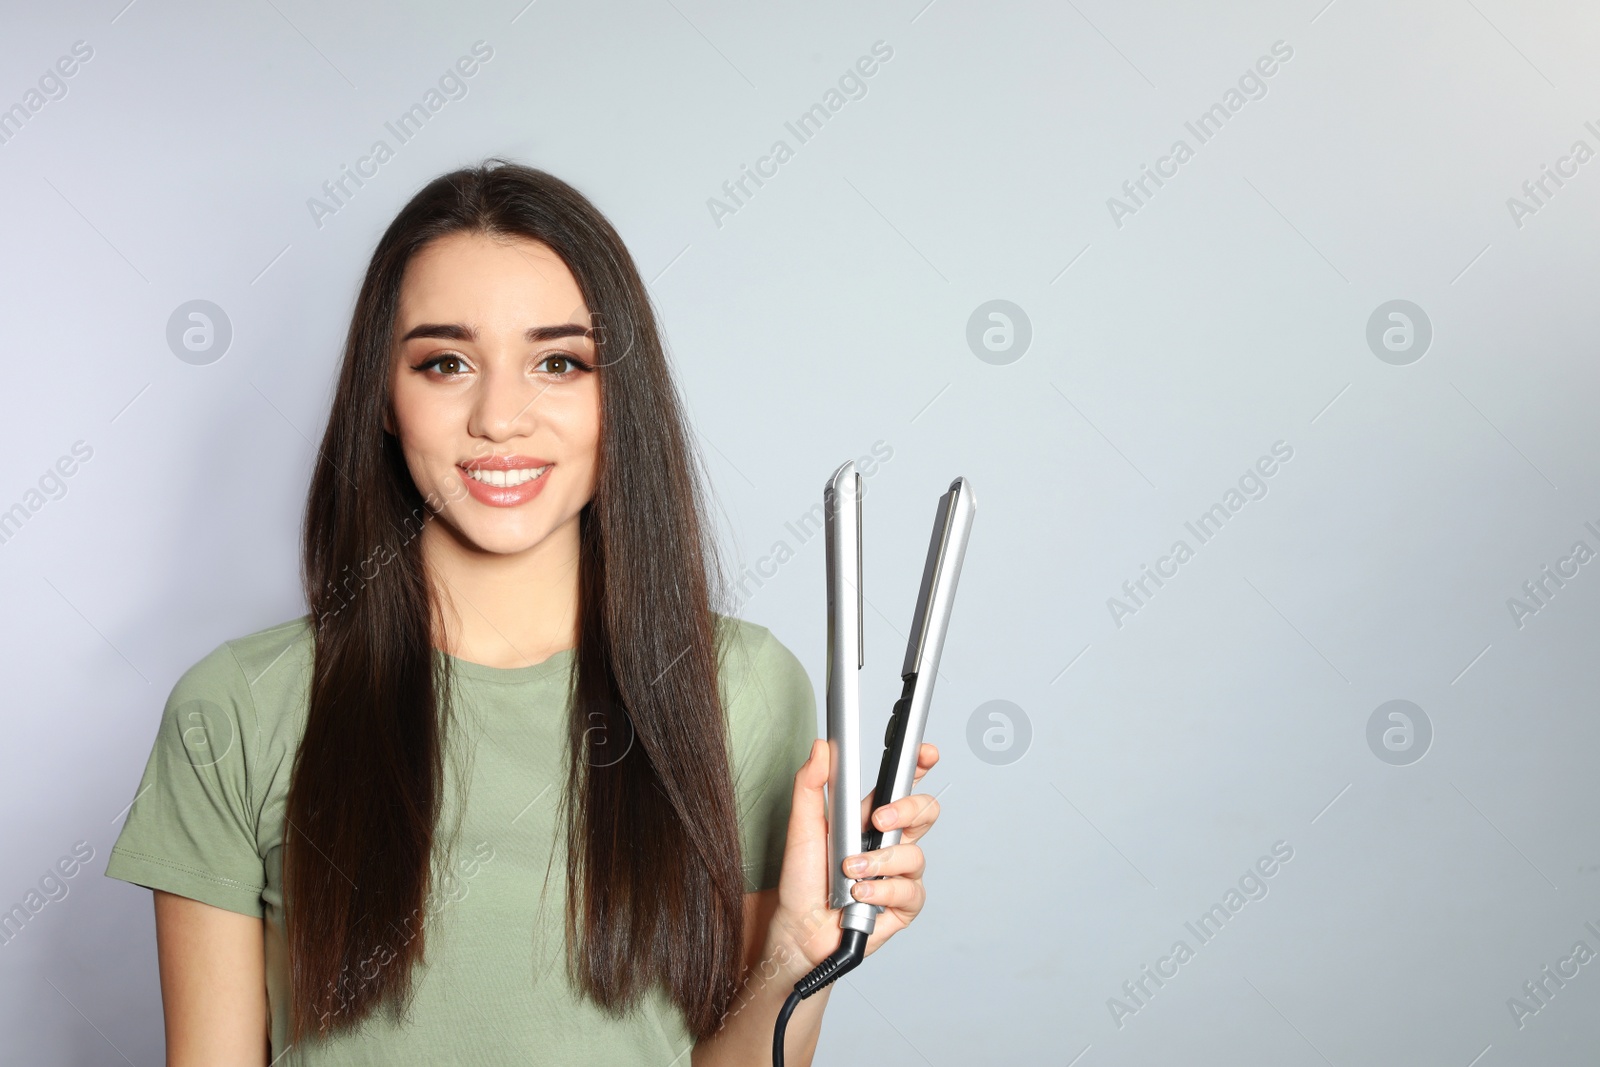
(208, 819)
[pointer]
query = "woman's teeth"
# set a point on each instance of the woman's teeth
(506, 479)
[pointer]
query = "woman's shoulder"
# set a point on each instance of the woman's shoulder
(202, 820)
(766, 691)
(264, 648)
(771, 712)
(752, 657)
(255, 673)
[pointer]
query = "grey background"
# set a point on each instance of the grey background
(831, 311)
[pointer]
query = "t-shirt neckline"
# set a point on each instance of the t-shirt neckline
(552, 666)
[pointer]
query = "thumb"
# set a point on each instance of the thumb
(808, 805)
(803, 889)
(815, 768)
(808, 809)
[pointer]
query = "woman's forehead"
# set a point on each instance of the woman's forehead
(496, 283)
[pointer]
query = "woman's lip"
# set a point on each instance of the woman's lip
(505, 496)
(504, 463)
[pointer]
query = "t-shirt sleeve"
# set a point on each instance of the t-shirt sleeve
(779, 722)
(191, 829)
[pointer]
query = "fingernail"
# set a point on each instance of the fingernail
(863, 890)
(886, 818)
(855, 865)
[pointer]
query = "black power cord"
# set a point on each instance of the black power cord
(851, 951)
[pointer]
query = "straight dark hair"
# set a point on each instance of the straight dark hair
(654, 882)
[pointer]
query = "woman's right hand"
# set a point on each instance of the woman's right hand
(803, 921)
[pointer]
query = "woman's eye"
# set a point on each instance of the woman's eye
(568, 366)
(448, 366)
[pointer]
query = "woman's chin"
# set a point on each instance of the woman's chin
(500, 535)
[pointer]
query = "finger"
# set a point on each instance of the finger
(802, 889)
(927, 756)
(814, 771)
(808, 808)
(902, 860)
(902, 894)
(915, 812)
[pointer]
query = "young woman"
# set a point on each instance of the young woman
(513, 791)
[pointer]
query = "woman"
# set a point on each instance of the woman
(511, 666)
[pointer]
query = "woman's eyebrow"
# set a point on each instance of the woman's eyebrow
(455, 331)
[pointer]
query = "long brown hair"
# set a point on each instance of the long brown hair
(654, 883)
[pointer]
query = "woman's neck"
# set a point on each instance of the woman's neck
(505, 611)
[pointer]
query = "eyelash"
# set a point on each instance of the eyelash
(579, 365)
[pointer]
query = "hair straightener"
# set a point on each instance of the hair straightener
(952, 523)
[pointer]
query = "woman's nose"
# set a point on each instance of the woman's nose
(506, 404)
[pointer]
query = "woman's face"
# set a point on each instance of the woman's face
(496, 402)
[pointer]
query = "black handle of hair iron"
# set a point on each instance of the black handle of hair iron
(952, 525)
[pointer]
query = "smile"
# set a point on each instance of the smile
(507, 478)
(506, 481)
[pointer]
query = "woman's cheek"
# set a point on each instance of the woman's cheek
(454, 489)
